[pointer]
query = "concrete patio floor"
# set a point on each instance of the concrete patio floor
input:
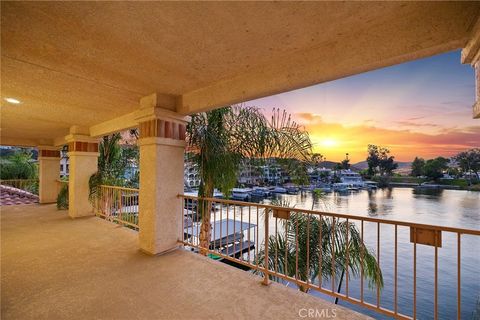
(53, 267)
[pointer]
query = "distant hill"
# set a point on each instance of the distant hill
(328, 164)
(362, 165)
(402, 166)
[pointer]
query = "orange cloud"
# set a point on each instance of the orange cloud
(333, 140)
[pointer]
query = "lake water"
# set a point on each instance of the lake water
(437, 207)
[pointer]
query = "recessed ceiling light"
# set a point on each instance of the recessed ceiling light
(12, 100)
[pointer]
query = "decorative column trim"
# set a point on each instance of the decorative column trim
(156, 122)
(81, 143)
(49, 153)
(45, 152)
(162, 129)
(82, 146)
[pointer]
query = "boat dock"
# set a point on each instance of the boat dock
(229, 237)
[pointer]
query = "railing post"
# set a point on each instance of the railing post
(265, 273)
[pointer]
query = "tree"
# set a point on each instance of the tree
(19, 165)
(380, 161)
(417, 167)
(387, 165)
(345, 164)
(113, 161)
(62, 197)
(318, 261)
(221, 138)
(364, 173)
(469, 161)
(433, 168)
(317, 159)
(373, 159)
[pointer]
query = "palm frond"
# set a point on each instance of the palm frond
(327, 250)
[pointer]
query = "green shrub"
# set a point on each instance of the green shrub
(20, 165)
(62, 198)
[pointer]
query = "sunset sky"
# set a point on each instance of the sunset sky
(421, 108)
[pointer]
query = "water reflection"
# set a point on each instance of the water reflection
(388, 193)
(428, 206)
(372, 203)
(433, 193)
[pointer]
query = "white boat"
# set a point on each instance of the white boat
(194, 193)
(278, 190)
(241, 194)
(340, 187)
(191, 204)
(260, 192)
(351, 179)
(291, 189)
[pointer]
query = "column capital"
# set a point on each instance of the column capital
(81, 143)
(48, 152)
(166, 126)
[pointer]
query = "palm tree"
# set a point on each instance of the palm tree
(19, 165)
(327, 250)
(113, 161)
(220, 139)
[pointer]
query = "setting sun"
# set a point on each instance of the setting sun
(329, 143)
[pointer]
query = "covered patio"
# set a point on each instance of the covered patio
(73, 72)
(56, 268)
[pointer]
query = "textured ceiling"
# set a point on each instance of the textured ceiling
(82, 63)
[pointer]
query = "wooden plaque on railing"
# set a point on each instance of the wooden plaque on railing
(429, 237)
(281, 214)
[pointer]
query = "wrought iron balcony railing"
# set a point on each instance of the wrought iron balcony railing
(281, 243)
(117, 204)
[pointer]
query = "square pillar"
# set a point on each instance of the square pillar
(471, 55)
(48, 173)
(476, 105)
(83, 158)
(162, 146)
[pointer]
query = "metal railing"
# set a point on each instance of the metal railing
(118, 204)
(29, 185)
(261, 234)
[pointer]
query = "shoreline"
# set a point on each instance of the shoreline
(431, 187)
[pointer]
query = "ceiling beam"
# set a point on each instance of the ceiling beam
(127, 121)
(23, 142)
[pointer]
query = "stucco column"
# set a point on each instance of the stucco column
(48, 173)
(162, 145)
(471, 55)
(83, 158)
